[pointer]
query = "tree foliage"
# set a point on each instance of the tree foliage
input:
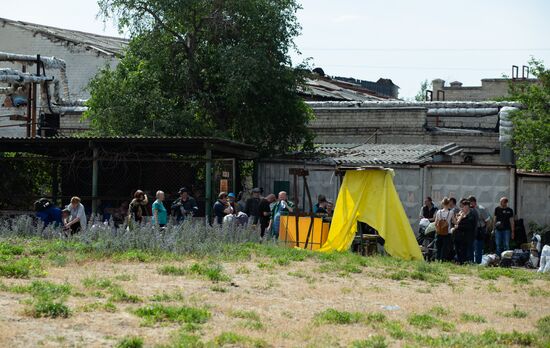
(531, 136)
(204, 67)
(421, 95)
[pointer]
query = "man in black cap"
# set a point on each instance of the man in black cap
(252, 206)
(183, 206)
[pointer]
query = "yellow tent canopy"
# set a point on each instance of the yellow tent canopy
(369, 196)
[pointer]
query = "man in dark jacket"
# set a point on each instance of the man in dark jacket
(252, 205)
(184, 206)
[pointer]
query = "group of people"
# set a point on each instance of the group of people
(462, 231)
(257, 210)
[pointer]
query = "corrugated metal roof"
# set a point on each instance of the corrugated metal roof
(156, 144)
(384, 154)
(106, 45)
(325, 89)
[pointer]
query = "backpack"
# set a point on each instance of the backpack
(442, 226)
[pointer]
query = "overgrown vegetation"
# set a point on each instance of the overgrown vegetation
(531, 135)
(179, 314)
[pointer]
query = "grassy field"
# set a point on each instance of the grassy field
(78, 293)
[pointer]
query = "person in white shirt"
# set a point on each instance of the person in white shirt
(77, 218)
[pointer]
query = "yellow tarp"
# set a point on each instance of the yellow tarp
(369, 196)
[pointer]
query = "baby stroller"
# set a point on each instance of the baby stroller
(426, 240)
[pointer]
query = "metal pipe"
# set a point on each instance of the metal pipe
(49, 62)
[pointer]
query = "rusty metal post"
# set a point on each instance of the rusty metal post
(34, 99)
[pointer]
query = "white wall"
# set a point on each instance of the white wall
(82, 64)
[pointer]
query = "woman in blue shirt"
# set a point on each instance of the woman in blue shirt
(160, 216)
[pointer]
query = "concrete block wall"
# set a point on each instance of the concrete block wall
(345, 125)
(490, 89)
(71, 124)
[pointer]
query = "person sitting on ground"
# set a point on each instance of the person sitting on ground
(160, 215)
(464, 232)
(77, 219)
(184, 206)
(137, 209)
(282, 207)
(503, 224)
(221, 208)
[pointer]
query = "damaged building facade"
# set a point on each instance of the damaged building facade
(69, 60)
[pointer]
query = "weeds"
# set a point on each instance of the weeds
(20, 268)
(376, 341)
(472, 318)
(183, 314)
(50, 309)
(426, 321)
(233, 339)
(439, 311)
(119, 295)
(516, 313)
(130, 342)
(97, 283)
(213, 272)
(167, 297)
(333, 316)
(172, 270)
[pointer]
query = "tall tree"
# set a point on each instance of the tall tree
(204, 67)
(531, 135)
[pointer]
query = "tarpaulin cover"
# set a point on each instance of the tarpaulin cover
(369, 196)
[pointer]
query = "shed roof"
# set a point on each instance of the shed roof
(384, 154)
(106, 45)
(186, 145)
